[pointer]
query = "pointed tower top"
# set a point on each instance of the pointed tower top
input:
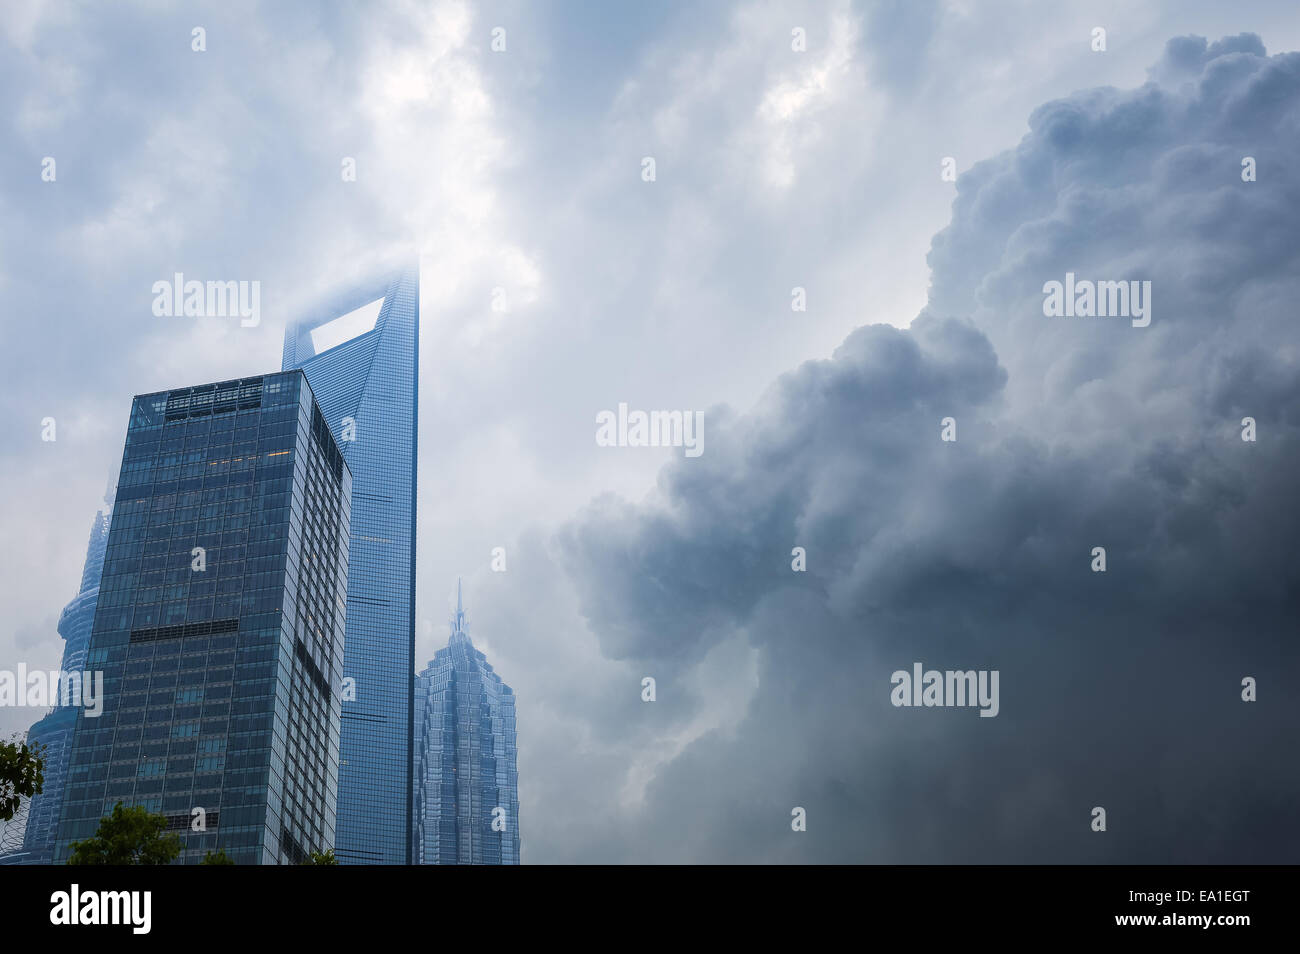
(458, 620)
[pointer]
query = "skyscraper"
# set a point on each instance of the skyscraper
(54, 732)
(466, 775)
(219, 626)
(360, 350)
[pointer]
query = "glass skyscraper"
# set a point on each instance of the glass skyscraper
(360, 350)
(219, 626)
(54, 732)
(466, 775)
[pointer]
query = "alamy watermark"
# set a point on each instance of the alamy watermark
(651, 429)
(75, 906)
(948, 688)
(1089, 299)
(40, 688)
(194, 299)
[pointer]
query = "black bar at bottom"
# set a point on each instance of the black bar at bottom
(332, 904)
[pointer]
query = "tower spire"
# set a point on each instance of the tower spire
(458, 621)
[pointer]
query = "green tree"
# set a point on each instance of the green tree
(129, 836)
(22, 773)
(218, 857)
(321, 858)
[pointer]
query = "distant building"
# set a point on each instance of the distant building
(54, 732)
(360, 351)
(219, 626)
(465, 770)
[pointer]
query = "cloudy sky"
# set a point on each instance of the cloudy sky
(521, 170)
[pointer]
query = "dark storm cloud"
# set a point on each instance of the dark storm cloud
(1118, 689)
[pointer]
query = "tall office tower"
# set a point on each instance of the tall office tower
(219, 626)
(466, 775)
(361, 353)
(54, 732)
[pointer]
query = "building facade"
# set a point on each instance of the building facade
(466, 756)
(360, 350)
(219, 626)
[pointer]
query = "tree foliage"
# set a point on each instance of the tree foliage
(22, 774)
(129, 836)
